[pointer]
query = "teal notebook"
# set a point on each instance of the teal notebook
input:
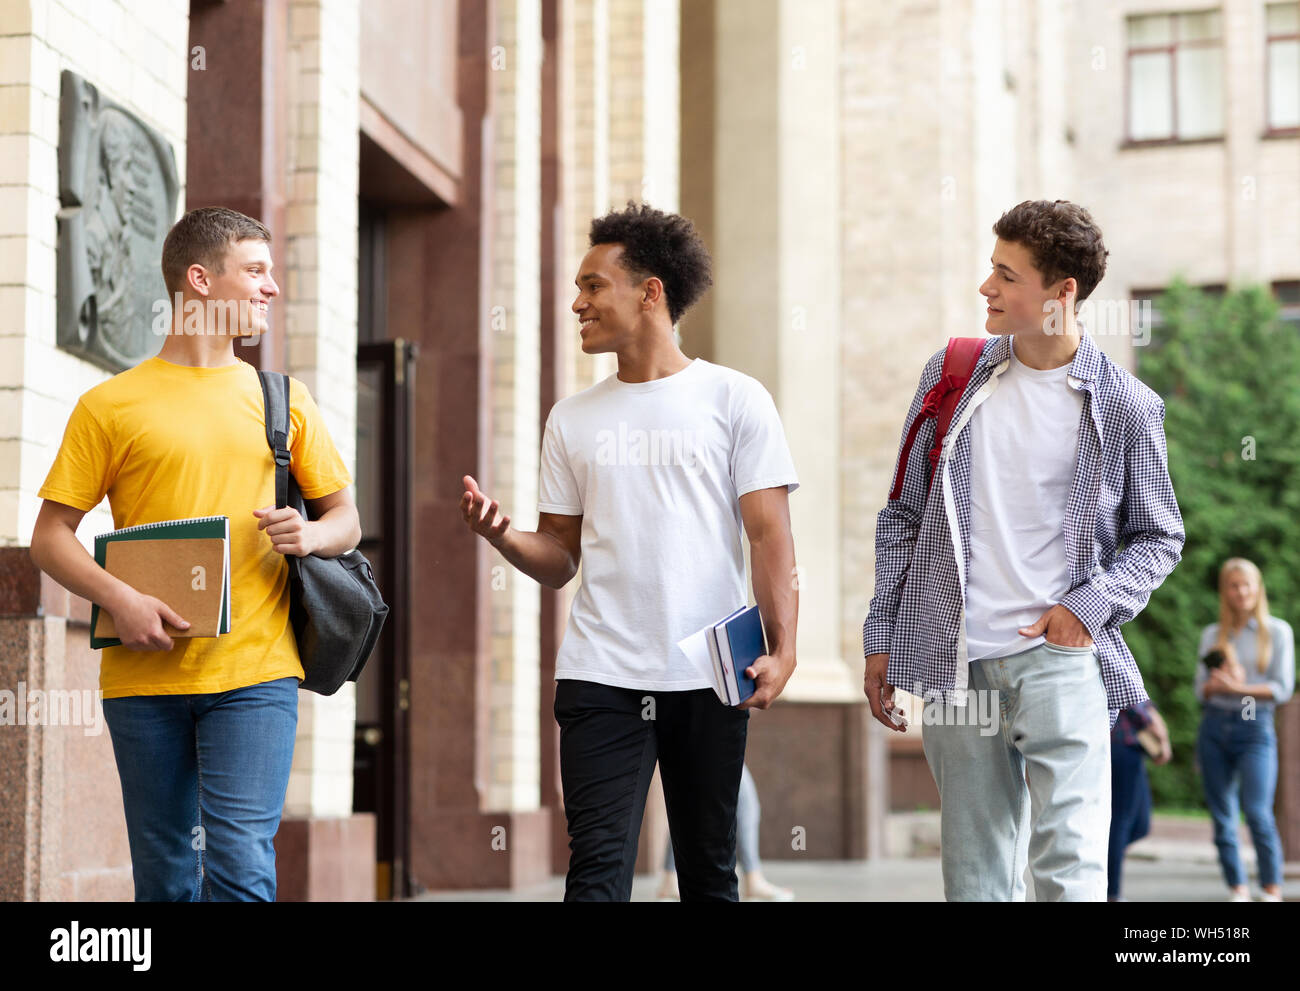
(185, 563)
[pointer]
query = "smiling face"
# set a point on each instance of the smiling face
(610, 300)
(1015, 292)
(244, 285)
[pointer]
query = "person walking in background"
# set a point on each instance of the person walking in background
(1246, 669)
(1138, 733)
(756, 887)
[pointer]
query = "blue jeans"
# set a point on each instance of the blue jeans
(1238, 759)
(1130, 808)
(1024, 777)
(203, 784)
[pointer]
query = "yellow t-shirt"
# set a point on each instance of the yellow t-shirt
(166, 441)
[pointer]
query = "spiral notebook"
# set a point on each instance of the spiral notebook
(185, 563)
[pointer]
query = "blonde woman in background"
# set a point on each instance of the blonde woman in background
(1246, 668)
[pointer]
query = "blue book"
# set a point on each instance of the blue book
(740, 644)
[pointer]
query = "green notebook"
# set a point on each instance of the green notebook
(185, 563)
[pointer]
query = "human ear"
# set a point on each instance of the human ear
(197, 277)
(1068, 293)
(653, 292)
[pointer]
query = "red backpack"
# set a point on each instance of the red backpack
(940, 402)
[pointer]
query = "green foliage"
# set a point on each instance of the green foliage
(1229, 373)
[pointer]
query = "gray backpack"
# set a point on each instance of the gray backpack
(334, 604)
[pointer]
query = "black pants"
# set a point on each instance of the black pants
(610, 739)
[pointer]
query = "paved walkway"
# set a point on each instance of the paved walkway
(1177, 863)
(917, 880)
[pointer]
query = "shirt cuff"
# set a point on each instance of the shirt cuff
(1093, 610)
(877, 638)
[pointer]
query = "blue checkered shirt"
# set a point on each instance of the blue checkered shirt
(1123, 530)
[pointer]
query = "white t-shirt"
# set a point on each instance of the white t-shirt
(656, 470)
(1024, 445)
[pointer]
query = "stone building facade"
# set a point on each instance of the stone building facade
(429, 170)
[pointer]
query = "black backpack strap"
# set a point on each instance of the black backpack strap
(275, 407)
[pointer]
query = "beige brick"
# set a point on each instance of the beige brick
(45, 117)
(304, 22)
(13, 256)
(33, 466)
(106, 20)
(43, 166)
(10, 463)
(11, 408)
(332, 794)
(44, 419)
(44, 67)
(41, 223)
(297, 799)
(16, 16)
(41, 265)
(15, 109)
(14, 308)
(13, 212)
(15, 59)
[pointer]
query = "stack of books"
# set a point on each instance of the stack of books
(735, 643)
(184, 563)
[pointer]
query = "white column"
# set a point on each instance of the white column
(319, 258)
(516, 355)
(777, 301)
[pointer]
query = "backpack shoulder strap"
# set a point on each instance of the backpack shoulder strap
(275, 406)
(959, 361)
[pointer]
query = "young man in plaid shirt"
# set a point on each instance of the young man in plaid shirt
(1050, 521)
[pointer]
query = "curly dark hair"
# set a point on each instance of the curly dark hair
(663, 245)
(1063, 239)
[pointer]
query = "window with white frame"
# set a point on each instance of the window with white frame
(1282, 21)
(1175, 76)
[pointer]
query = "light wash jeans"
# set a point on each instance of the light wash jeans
(1051, 727)
(203, 785)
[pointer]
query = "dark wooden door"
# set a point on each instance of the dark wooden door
(385, 386)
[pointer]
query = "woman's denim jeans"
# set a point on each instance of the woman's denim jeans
(1238, 759)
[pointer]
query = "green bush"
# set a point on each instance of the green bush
(1229, 373)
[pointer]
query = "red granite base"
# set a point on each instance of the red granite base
(458, 851)
(326, 859)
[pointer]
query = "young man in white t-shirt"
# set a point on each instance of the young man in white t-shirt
(1003, 576)
(646, 480)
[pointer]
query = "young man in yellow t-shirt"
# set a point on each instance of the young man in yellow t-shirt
(202, 728)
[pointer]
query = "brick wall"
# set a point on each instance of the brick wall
(135, 52)
(68, 842)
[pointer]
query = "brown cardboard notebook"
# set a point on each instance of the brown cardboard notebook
(188, 574)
